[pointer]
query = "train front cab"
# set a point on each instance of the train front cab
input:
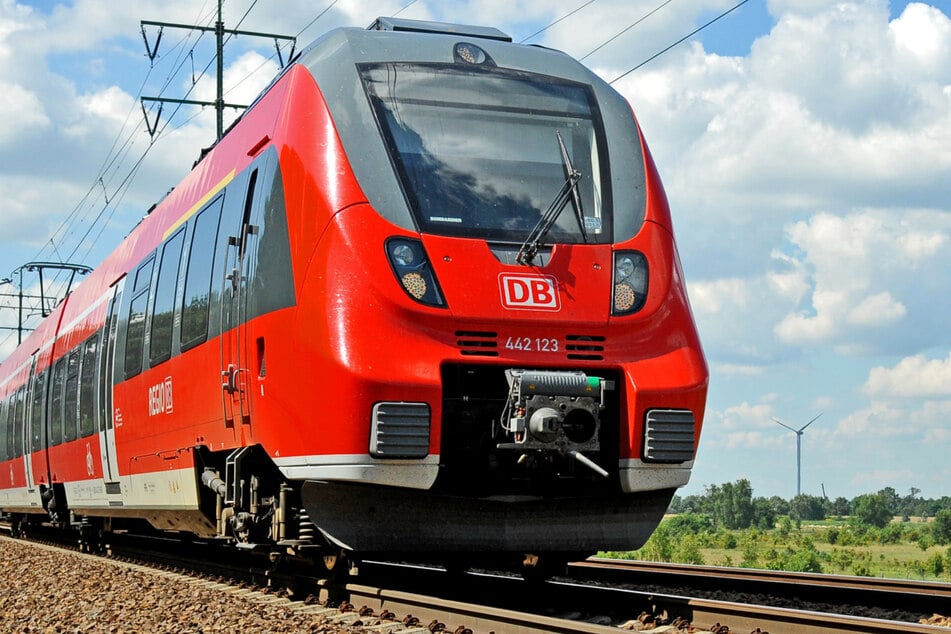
(470, 338)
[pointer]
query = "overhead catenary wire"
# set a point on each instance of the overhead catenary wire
(545, 28)
(681, 40)
(111, 206)
(625, 29)
(96, 208)
(103, 179)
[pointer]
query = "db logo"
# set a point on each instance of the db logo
(529, 292)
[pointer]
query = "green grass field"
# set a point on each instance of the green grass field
(902, 550)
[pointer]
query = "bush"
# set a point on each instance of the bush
(832, 535)
(891, 534)
(688, 551)
(935, 565)
(804, 560)
(941, 527)
(691, 523)
(872, 510)
(751, 556)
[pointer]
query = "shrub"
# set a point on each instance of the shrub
(941, 527)
(832, 535)
(935, 565)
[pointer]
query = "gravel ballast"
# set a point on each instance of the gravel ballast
(46, 590)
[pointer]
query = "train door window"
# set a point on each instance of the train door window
(163, 311)
(87, 387)
(135, 335)
(19, 421)
(37, 418)
(201, 258)
(107, 359)
(4, 444)
(13, 424)
(56, 402)
(70, 400)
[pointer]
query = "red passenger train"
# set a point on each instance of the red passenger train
(423, 298)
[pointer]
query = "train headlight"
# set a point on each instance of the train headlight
(403, 254)
(412, 269)
(467, 53)
(630, 282)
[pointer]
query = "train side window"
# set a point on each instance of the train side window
(56, 402)
(37, 419)
(19, 422)
(87, 387)
(135, 334)
(163, 312)
(72, 394)
(201, 258)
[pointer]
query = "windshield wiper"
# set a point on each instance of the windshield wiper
(568, 191)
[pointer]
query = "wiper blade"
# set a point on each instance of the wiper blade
(568, 192)
(575, 194)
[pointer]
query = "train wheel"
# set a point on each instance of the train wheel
(16, 526)
(92, 536)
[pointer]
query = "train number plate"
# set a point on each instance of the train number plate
(532, 344)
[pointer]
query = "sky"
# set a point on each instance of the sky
(805, 146)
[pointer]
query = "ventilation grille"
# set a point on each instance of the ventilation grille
(400, 430)
(585, 347)
(668, 435)
(473, 343)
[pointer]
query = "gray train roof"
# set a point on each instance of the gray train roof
(333, 61)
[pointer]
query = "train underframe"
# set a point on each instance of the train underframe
(528, 472)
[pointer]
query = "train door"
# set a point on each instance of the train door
(106, 413)
(33, 421)
(239, 262)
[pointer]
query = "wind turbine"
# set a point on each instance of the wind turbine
(798, 433)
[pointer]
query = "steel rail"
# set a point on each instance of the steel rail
(413, 596)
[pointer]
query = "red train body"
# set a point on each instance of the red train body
(361, 322)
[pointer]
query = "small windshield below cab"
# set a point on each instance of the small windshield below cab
(478, 154)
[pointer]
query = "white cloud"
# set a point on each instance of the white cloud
(912, 377)
(100, 113)
(734, 369)
(718, 296)
(874, 478)
(861, 265)
(880, 309)
(747, 415)
(924, 33)
(878, 419)
(21, 112)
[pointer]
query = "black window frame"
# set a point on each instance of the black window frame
(71, 396)
(88, 385)
(166, 289)
(38, 410)
(19, 421)
(56, 402)
(196, 315)
(5, 442)
(135, 334)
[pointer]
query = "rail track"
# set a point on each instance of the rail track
(595, 596)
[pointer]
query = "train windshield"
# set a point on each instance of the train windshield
(480, 152)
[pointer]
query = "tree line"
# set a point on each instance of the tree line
(732, 506)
